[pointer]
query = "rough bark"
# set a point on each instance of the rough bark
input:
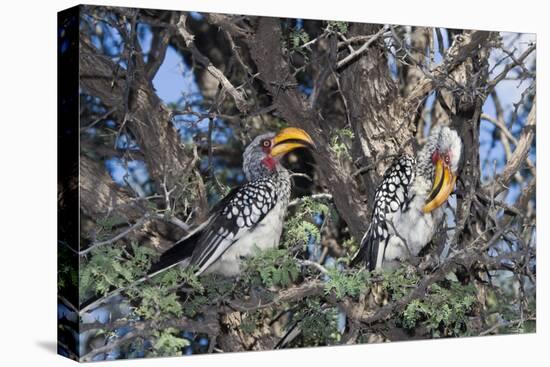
(380, 131)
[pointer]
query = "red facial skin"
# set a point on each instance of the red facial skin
(446, 158)
(268, 161)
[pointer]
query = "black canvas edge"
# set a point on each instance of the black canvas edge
(68, 181)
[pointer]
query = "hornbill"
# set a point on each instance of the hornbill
(407, 207)
(408, 202)
(250, 217)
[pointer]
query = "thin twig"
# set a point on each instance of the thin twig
(238, 96)
(516, 62)
(119, 236)
(313, 264)
(346, 60)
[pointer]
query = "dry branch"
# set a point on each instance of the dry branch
(238, 96)
(518, 158)
(346, 60)
(463, 47)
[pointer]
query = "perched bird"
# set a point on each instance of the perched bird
(250, 217)
(408, 203)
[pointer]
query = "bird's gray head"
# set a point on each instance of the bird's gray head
(438, 161)
(261, 157)
(448, 147)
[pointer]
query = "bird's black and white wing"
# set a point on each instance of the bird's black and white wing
(390, 199)
(234, 216)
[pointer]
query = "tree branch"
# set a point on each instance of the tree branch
(238, 96)
(515, 62)
(119, 236)
(346, 60)
(462, 48)
(519, 156)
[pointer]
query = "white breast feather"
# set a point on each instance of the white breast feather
(264, 235)
(413, 226)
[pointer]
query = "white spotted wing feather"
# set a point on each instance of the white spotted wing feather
(390, 200)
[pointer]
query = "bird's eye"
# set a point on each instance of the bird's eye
(266, 143)
(447, 159)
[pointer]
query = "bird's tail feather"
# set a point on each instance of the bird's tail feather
(176, 254)
(361, 255)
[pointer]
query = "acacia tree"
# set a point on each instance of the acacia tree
(365, 93)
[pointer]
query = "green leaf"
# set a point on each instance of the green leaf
(344, 284)
(341, 27)
(168, 344)
(444, 310)
(272, 267)
(109, 267)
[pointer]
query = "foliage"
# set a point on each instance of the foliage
(177, 276)
(110, 267)
(399, 282)
(209, 289)
(318, 322)
(351, 246)
(67, 272)
(298, 37)
(106, 225)
(337, 26)
(443, 312)
(157, 301)
(272, 268)
(444, 309)
(250, 322)
(167, 343)
(158, 298)
(344, 284)
(298, 229)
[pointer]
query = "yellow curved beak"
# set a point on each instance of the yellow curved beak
(289, 139)
(444, 184)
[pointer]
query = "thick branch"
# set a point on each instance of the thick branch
(99, 194)
(309, 289)
(148, 118)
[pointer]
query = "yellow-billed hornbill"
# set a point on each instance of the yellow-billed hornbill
(250, 217)
(408, 203)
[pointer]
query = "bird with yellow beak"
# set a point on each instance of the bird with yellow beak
(409, 203)
(249, 218)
